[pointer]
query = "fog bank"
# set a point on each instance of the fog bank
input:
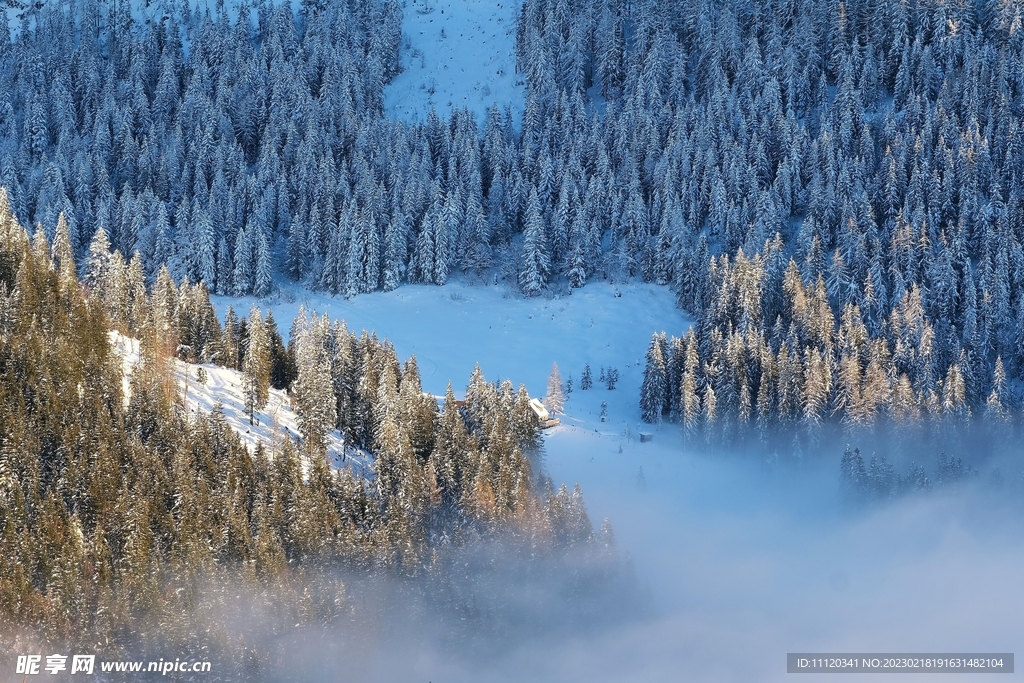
(728, 566)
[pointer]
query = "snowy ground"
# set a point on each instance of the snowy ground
(272, 425)
(451, 329)
(455, 54)
(743, 562)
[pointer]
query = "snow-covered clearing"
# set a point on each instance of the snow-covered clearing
(276, 422)
(456, 54)
(743, 562)
(451, 329)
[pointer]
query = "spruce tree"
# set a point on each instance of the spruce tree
(256, 365)
(555, 397)
(263, 273)
(536, 260)
(98, 260)
(282, 363)
(314, 393)
(653, 390)
(64, 255)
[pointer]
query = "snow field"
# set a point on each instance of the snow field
(456, 54)
(453, 328)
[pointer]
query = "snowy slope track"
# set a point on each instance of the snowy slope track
(272, 425)
(456, 54)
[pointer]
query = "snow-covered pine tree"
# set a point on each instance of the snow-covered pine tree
(689, 399)
(314, 393)
(533, 277)
(426, 240)
(555, 397)
(242, 276)
(852, 475)
(263, 276)
(256, 365)
(577, 259)
(446, 230)
(478, 250)
(204, 263)
(63, 254)
(225, 269)
(97, 262)
(586, 378)
(653, 396)
(395, 251)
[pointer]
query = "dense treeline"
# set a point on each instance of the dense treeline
(126, 523)
(809, 374)
(855, 165)
(879, 480)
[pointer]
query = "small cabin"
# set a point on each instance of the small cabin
(539, 409)
(544, 418)
(646, 437)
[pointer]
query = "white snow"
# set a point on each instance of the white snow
(456, 54)
(276, 422)
(451, 329)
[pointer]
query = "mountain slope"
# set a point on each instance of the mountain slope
(223, 388)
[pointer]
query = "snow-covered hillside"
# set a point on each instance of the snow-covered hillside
(455, 54)
(452, 329)
(274, 423)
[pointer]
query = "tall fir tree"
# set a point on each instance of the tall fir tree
(256, 365)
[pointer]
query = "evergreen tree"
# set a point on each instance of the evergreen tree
(314, 393)
(282, 363)
(256, 365)
(536, 261)
(853, 477)
(586, 381)
(64, 255)
(555, 397)
(243, 274)
(654, 390)
(97, 263)
(689, 400)
(263, 275)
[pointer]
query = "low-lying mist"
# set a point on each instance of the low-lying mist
(745, 562)
(723, 565)
(489, 613)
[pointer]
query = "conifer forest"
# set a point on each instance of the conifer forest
(829, 194)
